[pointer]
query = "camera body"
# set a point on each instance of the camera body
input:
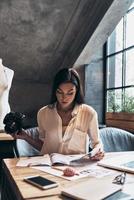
(13, 122)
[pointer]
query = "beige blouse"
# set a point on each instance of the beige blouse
(81, 130)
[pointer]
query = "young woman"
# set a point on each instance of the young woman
(67, 125)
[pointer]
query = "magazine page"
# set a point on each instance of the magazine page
(34, 161)
(61, 159)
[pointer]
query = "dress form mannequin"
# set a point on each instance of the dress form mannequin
(6, 76)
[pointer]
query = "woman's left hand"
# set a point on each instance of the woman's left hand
(98, 156)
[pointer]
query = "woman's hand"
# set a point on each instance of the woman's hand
(98, 156)
(69, 171)
(21, 135)
(36, 143)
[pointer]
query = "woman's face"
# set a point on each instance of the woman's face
(65, 95)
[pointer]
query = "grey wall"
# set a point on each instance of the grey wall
(94, 85)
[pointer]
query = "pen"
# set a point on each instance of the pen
(92, 153)
(36, 164)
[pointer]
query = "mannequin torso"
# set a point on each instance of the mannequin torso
(6, 76)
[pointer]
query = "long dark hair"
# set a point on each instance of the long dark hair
(68, 76)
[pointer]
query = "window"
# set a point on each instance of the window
(120, 65)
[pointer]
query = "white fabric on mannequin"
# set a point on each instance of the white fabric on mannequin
(6, 76)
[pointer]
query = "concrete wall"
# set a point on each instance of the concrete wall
(30, 34)
(94, 85)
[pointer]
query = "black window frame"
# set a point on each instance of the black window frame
(105, 63)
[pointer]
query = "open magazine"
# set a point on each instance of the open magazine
(49, 160)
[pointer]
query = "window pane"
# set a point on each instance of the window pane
(111, 44)
(115, 41)
(130, 29)
(114, 100)
(114, 72)
(120, 100)
(131, 6)
(128, 101)
(130, 67)
(119, 36)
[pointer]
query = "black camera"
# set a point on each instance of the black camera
(13, 122)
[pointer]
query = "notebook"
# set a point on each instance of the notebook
(123, 163)
(93, 189)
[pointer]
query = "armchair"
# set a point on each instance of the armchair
(115, 139)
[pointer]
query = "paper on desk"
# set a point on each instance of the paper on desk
(38, 160)
(93, 171)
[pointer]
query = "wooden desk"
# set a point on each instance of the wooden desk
(14, 188)
(4, 136)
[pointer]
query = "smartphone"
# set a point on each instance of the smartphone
(41, 182)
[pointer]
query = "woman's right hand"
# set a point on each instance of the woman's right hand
(21, 135)
(36, 143)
